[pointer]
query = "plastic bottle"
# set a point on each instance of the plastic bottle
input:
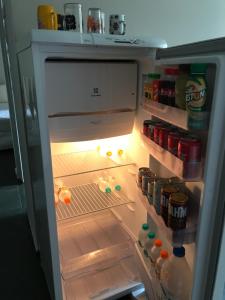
(65, 195)
(167, 86)
(195, 92)
(160, 261)
(176, 276)
(155, 251)
(149, 243)
(180, 86)
(148, 85)
(142, 237)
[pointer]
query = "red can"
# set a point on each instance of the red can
(189, 150)
(163, 137)
(173, 140)
(156, 133)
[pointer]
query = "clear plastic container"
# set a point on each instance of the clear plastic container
(149, 243)
(160, 261)
(176, 276)
(155, 251)
(142, 237)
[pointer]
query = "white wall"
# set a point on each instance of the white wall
(177, 21)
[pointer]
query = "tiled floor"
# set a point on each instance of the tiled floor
(21, 276)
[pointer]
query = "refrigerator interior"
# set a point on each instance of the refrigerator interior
(98, 232)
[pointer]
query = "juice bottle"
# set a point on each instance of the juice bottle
(155, 251)
(142, 237)
(180, 86)
(176, 276)
(149, 243)
(160, 261)
(195, 95)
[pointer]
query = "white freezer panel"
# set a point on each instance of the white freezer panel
(78, 86)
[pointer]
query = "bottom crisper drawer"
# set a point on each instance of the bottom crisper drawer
(97, 257)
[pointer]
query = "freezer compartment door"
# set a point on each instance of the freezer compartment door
(90, 86)
(90, 127)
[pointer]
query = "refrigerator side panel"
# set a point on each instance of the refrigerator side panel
(32, 75)
(17, 121)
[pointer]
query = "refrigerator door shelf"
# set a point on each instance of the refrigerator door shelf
(179, 237)
(186, 171)
(173, 115)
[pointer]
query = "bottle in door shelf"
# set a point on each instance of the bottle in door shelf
(180, 86)
(175, 276)
(160, 261)
(148, 86)
(155, 251)
(149, 243)
(167, 86)
(196, 89)
(142, 236)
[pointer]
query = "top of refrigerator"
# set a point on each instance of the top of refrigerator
(75, 38)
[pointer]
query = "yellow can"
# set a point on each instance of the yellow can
(47, 17)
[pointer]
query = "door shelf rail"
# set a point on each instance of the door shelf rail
(179, 237)
(169, 114)
(184, 170)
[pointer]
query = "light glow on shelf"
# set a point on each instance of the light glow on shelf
(110, 147)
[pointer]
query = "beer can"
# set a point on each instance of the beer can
(173, 140)
(145, 127)
(158, 184)
(145, 180)
(189, 149)
(141, 172)
(150, 190)
(177, 211)
(166, 192)
(156, 131)
(163, 137)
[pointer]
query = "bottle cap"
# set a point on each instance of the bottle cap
(151, 235)
(179, 251)
(164, 254)
(154, 76)
(145, 226)
(198, 68)
(158, 243)
(171, 71)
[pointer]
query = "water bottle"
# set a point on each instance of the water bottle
(176, 276)
(160, 261)
(65, 195)
(149, 243)
(155, 251)
(142, 237)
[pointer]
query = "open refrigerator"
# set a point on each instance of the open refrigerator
(84, 103)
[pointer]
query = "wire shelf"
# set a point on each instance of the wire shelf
(88, 199)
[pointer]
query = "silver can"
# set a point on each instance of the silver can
(117, 24)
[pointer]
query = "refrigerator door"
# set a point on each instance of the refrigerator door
(16, 109)
(212, 202)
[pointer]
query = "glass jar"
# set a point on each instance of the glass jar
(94, 21)
(117, 24)
(73, 17)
